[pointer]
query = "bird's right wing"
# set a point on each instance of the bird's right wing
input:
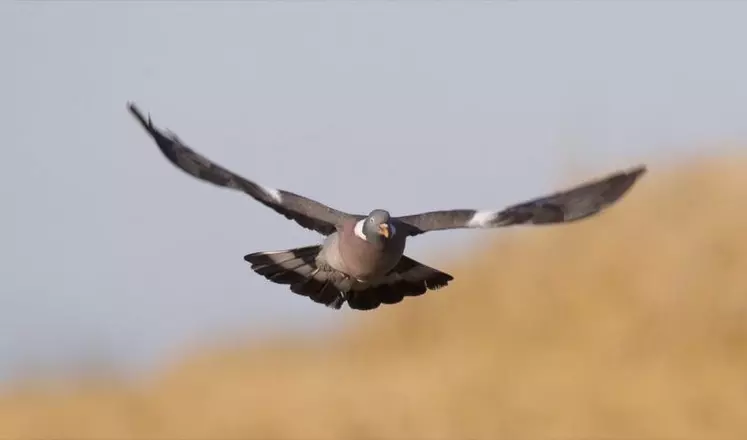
(306, 212)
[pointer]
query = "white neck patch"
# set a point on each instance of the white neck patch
(358, 230)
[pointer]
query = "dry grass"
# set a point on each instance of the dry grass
(631, 325)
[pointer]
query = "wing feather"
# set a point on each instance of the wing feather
(306, 212)
(566, 206)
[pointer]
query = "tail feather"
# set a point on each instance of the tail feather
(311, 285)
(290, 272)
(320, 287)
(297, 267)
(408, 278)
(266, 263)
(330, 295)
(292, 275)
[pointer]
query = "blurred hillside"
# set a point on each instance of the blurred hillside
(630, 325)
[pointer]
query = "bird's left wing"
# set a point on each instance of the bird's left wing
(306, 212)
(573, 204)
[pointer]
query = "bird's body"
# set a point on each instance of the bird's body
(361, 260)
(366, 260)
(347, 267)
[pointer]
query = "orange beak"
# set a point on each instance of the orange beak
(384, 230)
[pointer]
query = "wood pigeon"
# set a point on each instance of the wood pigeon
(361, 260)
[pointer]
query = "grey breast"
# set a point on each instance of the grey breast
(361, 259)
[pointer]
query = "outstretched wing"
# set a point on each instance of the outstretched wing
(306, 212)
(573, 204)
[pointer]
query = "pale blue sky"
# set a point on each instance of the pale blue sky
(110, 254)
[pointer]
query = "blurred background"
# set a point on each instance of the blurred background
(128, 312)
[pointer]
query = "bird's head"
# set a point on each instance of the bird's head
(377, 226)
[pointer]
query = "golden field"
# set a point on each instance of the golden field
(632, 324)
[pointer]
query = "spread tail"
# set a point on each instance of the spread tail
(408, 278)
(297, 268)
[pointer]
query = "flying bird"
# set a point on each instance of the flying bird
(361, 261)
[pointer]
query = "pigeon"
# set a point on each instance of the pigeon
(361, 259)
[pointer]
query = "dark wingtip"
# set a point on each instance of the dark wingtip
(637, 171)
(146, 123)
(614, 187)
(138, 114)
(164, 142)
(630, 174)
(628, 178)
